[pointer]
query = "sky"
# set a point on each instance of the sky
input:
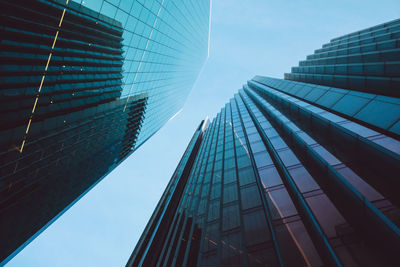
(248, 38)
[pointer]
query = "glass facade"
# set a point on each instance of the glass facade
(82, 85)
(165, 45)
(287, 174)
(366, 61)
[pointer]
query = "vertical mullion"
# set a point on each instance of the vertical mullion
(266, 209)
(314, 228)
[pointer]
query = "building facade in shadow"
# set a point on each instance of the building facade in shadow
(82, 86)
(292, 173)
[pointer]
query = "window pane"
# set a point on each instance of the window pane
(262, 159)
(256, 228)
(246, 176)
(282, 203)
(303, 180)
(269, 177)
(327, 215)
(250, 197)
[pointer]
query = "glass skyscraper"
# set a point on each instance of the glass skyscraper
(292, 173)
(83, 84)
(366, 61)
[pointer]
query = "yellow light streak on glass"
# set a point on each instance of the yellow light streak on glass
(47, 65)
(29, 125)
(43, 77)
(34, 105)
(55, 39)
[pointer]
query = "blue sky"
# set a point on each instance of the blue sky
(247, 38)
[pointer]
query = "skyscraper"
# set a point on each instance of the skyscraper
(366, 61)
(289, 174)
(83, 84)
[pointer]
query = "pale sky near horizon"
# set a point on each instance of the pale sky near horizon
(248, 38)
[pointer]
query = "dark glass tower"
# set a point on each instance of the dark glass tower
(287, 174)
(366, 61)
(82, 85)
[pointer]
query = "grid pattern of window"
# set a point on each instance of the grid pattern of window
(367, 61)
(82, 85)
(290, 174)
(165, 44)
(67, 53)
(375, 111)
(55, 60)
(274, 182)
(74, 152)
